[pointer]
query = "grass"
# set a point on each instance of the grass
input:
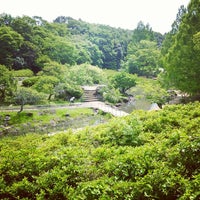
(49, 120)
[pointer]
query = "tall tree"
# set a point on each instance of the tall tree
(142, 32)
(143, 58)
(182, 60)
(10, 43)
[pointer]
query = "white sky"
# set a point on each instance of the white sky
(160, 14)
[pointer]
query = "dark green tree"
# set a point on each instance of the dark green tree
(10, 43)
(182, 60)
(24, 26)
(5, 19)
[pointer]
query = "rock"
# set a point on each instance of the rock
(154, 106)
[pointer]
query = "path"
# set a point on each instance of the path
(102, 106)
(95, 105)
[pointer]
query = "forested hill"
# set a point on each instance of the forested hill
(28, 43)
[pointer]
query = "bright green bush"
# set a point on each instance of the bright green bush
(30, 81)
(23, 73)
(66, 91)
(110, 94)
(86, 74)
(146, 155)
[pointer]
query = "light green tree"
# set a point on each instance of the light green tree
(27, 96)
(123, 81)
(47, 85)
(143, 58)
(7, 83)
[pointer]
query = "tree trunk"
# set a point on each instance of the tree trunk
(50, 97)
(21, 108)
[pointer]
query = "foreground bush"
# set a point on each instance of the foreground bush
(152, 155)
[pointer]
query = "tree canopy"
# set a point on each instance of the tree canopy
(35, 44)
(181, 60)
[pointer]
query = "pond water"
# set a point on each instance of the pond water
(135, 104)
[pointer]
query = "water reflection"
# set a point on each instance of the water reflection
(135, 104)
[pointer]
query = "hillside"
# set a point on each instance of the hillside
(34, 41)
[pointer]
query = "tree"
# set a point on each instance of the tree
(26, 57)
(85, 74)
(47, 85)
(24, 26)
(123, 81)
(182, 60)
(67, 90)
(175, 26)
(27, 96)
(142, 32)
(60, 50)
(10, 43)
(5, 19)
(7, 83)
(143, 58)
(196, 40)
(54, 69)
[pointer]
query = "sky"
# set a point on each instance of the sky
(126, 14)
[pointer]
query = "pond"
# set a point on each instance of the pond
(136, 104)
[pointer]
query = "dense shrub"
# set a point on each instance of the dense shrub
(86, 74)
(146, 155)
(30, 81)
(23, 73)
(110, 94)
(66, 91)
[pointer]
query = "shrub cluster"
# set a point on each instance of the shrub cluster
(146, 155)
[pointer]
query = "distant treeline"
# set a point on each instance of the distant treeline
(28, 43)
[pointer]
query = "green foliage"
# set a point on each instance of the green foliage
(28, 82)
(150, 90)
(47, 85)
(65, 91)
(142, 32)
(7, 83)
(66, 41)
(23, 73)
(181, 63)
(86, 74)
(142, 58)
(60, 50)
(110, 94)
(105, 45)
(123, 81)
(146, 155)
(10, 42)
(27, 96)
(143, 52)
(196, 40)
